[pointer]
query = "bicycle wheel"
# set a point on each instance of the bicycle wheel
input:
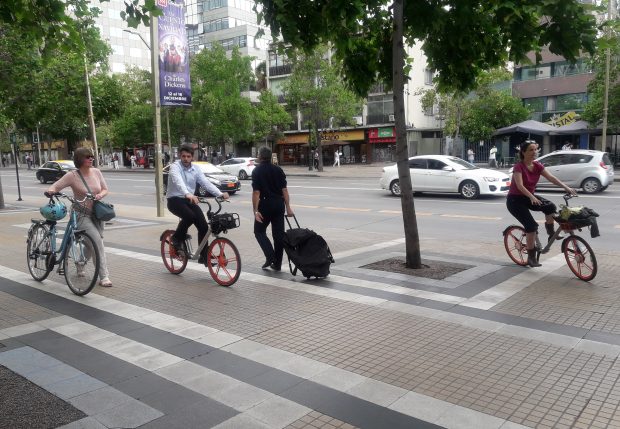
(174, 261)
(514, 242)
(580, 257)
(223, 261)
(81, 264)
(39, 252)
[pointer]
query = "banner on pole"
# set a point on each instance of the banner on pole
(174, 82)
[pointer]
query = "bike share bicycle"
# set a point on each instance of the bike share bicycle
(77, 258)
(223, 260)
(579, 255)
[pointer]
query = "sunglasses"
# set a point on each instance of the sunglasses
(89, 157)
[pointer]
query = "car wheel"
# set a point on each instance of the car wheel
(591, 186)
(42, 179)
(469, 190)
(243, 175)
(231, 192)
(395, 188)
(603, 188)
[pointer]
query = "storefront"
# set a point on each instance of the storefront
(382, 144)
(294, 148)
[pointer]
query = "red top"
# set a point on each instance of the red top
(530, 178)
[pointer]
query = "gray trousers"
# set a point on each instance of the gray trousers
(94, 228)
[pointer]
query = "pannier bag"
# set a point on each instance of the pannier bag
(307, 251)
(224, 221)
(580, 216)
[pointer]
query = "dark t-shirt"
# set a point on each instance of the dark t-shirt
(530, 178)
(269, 180)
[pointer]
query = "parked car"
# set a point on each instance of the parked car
(54, 170)
(589, 170)
(225, 182)
(240, 167)
(441, 173)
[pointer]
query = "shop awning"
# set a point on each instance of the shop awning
(529, 127)
(577, 127)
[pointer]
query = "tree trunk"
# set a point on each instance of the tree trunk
(412, 239)
(1, 195)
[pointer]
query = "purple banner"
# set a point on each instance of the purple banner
(174, 83)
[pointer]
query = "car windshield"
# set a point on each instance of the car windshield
(66, 164)
(461, 164)
(208, 168)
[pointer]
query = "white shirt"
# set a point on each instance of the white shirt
(182, 181)
(492, 153)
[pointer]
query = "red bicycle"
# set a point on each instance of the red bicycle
(579, 255)
(223, 260)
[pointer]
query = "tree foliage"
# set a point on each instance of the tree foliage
(593, 112)
(270, 118)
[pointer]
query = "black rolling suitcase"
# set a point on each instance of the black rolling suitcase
(307, 251)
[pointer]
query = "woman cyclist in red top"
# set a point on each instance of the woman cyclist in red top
(521, 198)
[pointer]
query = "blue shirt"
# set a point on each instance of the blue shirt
(182, 181)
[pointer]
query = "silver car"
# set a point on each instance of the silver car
(590, 170)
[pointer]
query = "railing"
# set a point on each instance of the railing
(280, 70)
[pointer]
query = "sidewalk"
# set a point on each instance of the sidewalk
(493, 346)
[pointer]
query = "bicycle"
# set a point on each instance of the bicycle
(579, 256)
(77, 258)
(223, 260)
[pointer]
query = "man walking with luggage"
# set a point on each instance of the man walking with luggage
(270, 200)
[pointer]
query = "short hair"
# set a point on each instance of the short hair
(80, 155)
(264, 154)
(186, 147)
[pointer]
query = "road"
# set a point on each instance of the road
(358, 205)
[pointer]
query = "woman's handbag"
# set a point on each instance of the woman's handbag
(102, 211)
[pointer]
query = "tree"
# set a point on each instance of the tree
(317, 89)
(593, 112)
(220, 112)
(460, 38)
(270, 117)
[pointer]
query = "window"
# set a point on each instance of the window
(428, 77)
(564, 68)
(429, 111)
(435, 164)
(535, 104)
(535, 72)
(552, 160)
(419, 164)
(571, 101)
(575, 158)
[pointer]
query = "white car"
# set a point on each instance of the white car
(441, 173)
(240, 167)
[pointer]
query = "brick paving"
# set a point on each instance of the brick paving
(526, 381)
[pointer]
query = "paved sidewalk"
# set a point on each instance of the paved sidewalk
(494, 346)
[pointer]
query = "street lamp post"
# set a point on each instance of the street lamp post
(91, 117)
(442, 149)
(39, 144)
(159, 178)
(13, 138)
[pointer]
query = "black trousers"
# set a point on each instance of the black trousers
(272, 210)
(190, 214)
(519, 206)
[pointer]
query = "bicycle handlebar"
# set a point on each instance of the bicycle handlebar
(218, 200)
(568, 196)
(52, 195)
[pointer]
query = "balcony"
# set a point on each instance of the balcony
(280, 70)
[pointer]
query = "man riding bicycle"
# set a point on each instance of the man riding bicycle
(183, 177)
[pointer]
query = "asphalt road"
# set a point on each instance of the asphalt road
(360, 206)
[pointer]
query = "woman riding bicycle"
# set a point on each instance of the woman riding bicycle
(521, 198)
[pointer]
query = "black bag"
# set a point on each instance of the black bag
(103, 211)
(307, 251)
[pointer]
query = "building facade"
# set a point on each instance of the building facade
(227, 22)
(372, 139)
(127, 48)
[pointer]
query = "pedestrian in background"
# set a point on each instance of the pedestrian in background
(132, 159)
(86, 174)
(337, 157)
(470, 155)
(3, 160)
(567, 145)
(492, 157)
(270, 200)
(316, 159)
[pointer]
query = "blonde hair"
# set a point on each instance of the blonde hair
(80, 155)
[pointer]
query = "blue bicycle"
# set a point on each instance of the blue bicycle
(77, 258)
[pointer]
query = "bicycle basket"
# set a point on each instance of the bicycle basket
(225, 221)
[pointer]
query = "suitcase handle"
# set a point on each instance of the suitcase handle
(289, 222)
